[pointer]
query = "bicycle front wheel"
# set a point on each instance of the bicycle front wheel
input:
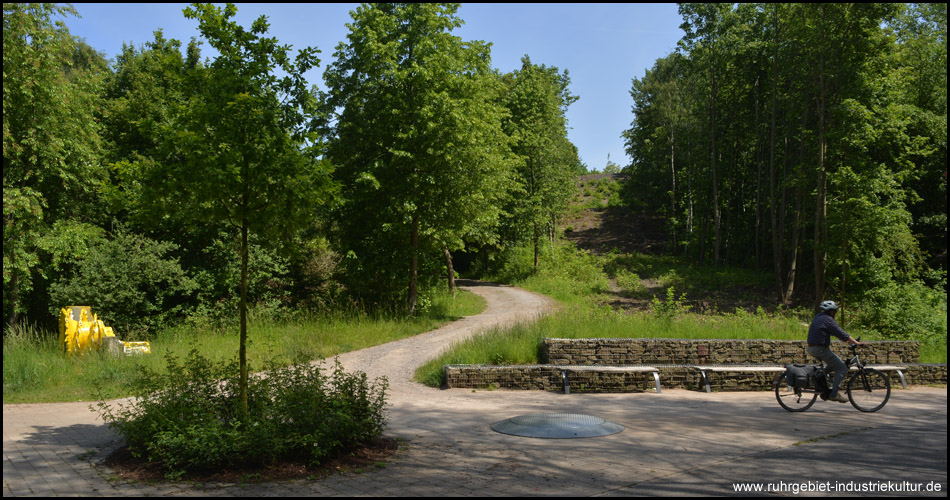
(869, 390)
(793, 399)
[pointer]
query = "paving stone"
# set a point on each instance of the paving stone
(676, 443)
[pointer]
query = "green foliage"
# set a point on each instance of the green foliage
(668, 271)
(68, 243)
(188, 419)
(421, 155)
(537, 99)
(808, 139)
(269, 283)
(51, 145)
(630, 284)
(904, 312)
(242, 151)
(130, 281)
(670, 307)
(566, 274)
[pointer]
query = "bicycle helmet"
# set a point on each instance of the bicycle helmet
(829, 305)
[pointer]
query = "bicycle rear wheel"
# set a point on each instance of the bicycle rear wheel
(793, 399)
(869, 390)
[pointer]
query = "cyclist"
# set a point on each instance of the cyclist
(823, 326)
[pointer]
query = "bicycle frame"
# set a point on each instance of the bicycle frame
(864, 382)
(855, 360)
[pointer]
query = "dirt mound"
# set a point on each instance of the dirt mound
(598, 226)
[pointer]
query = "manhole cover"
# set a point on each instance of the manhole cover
(556, 426)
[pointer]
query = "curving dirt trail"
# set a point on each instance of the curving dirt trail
(48, 448)
(678, 443)
(505, 305)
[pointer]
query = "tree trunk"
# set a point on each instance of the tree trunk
(450, 272)
(673, 192)
(242, 350)
(758, 185)
(844, 261)
(14, 290)
(715, 180)
(799, 210)
(536, 238)
(414, 265)
(821, 207)
(793, 258)
(732, 223)
(689, 200)
(703, 224)
(777, 232)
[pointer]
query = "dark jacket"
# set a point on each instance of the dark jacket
(822, 328)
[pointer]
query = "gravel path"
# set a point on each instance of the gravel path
(678, 443)
(505, 305)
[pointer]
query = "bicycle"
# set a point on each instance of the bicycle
(868, 389)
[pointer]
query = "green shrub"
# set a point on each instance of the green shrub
(188, 419)
(565, 272)
(904, 311)
(630, 284)
(130, 282)
(218, 277)
(671, 307)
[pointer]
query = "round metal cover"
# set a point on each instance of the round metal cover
(556, 426)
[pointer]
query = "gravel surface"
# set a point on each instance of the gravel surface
(505, 305)
(678, 443)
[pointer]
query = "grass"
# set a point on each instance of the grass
(520, 344)
(686, 277)
(577, 280)
(35, 370)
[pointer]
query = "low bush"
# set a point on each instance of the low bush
(630, 284)
(904, 311)
(133, 283)
(188, 418)
(564, 272)
(667, 309)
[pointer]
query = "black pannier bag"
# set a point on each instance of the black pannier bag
(799, 375)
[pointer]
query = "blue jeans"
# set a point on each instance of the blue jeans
(832, 362)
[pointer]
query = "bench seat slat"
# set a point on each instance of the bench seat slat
(760, 368)
(616, 369)
(597, 368)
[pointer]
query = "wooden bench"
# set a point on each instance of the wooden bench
(610, 369)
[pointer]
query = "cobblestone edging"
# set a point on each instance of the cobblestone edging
(675, 359)
(711, 351)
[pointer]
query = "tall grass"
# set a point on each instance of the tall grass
(578, 280)
(521, 344)
(35, 370)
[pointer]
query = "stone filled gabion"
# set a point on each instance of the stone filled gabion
(673, 358)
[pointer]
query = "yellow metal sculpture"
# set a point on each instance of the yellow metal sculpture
(81, 331)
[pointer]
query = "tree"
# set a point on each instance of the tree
(705, 25)
(241, 151)
(146, 92)
(660, 117)
(919, 92)
(537, 100)
(51, 144)
(828, 120)
(420, 152)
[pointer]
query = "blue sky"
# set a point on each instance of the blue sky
(603, 47)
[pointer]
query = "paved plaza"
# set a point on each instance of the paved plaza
(678, 443)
